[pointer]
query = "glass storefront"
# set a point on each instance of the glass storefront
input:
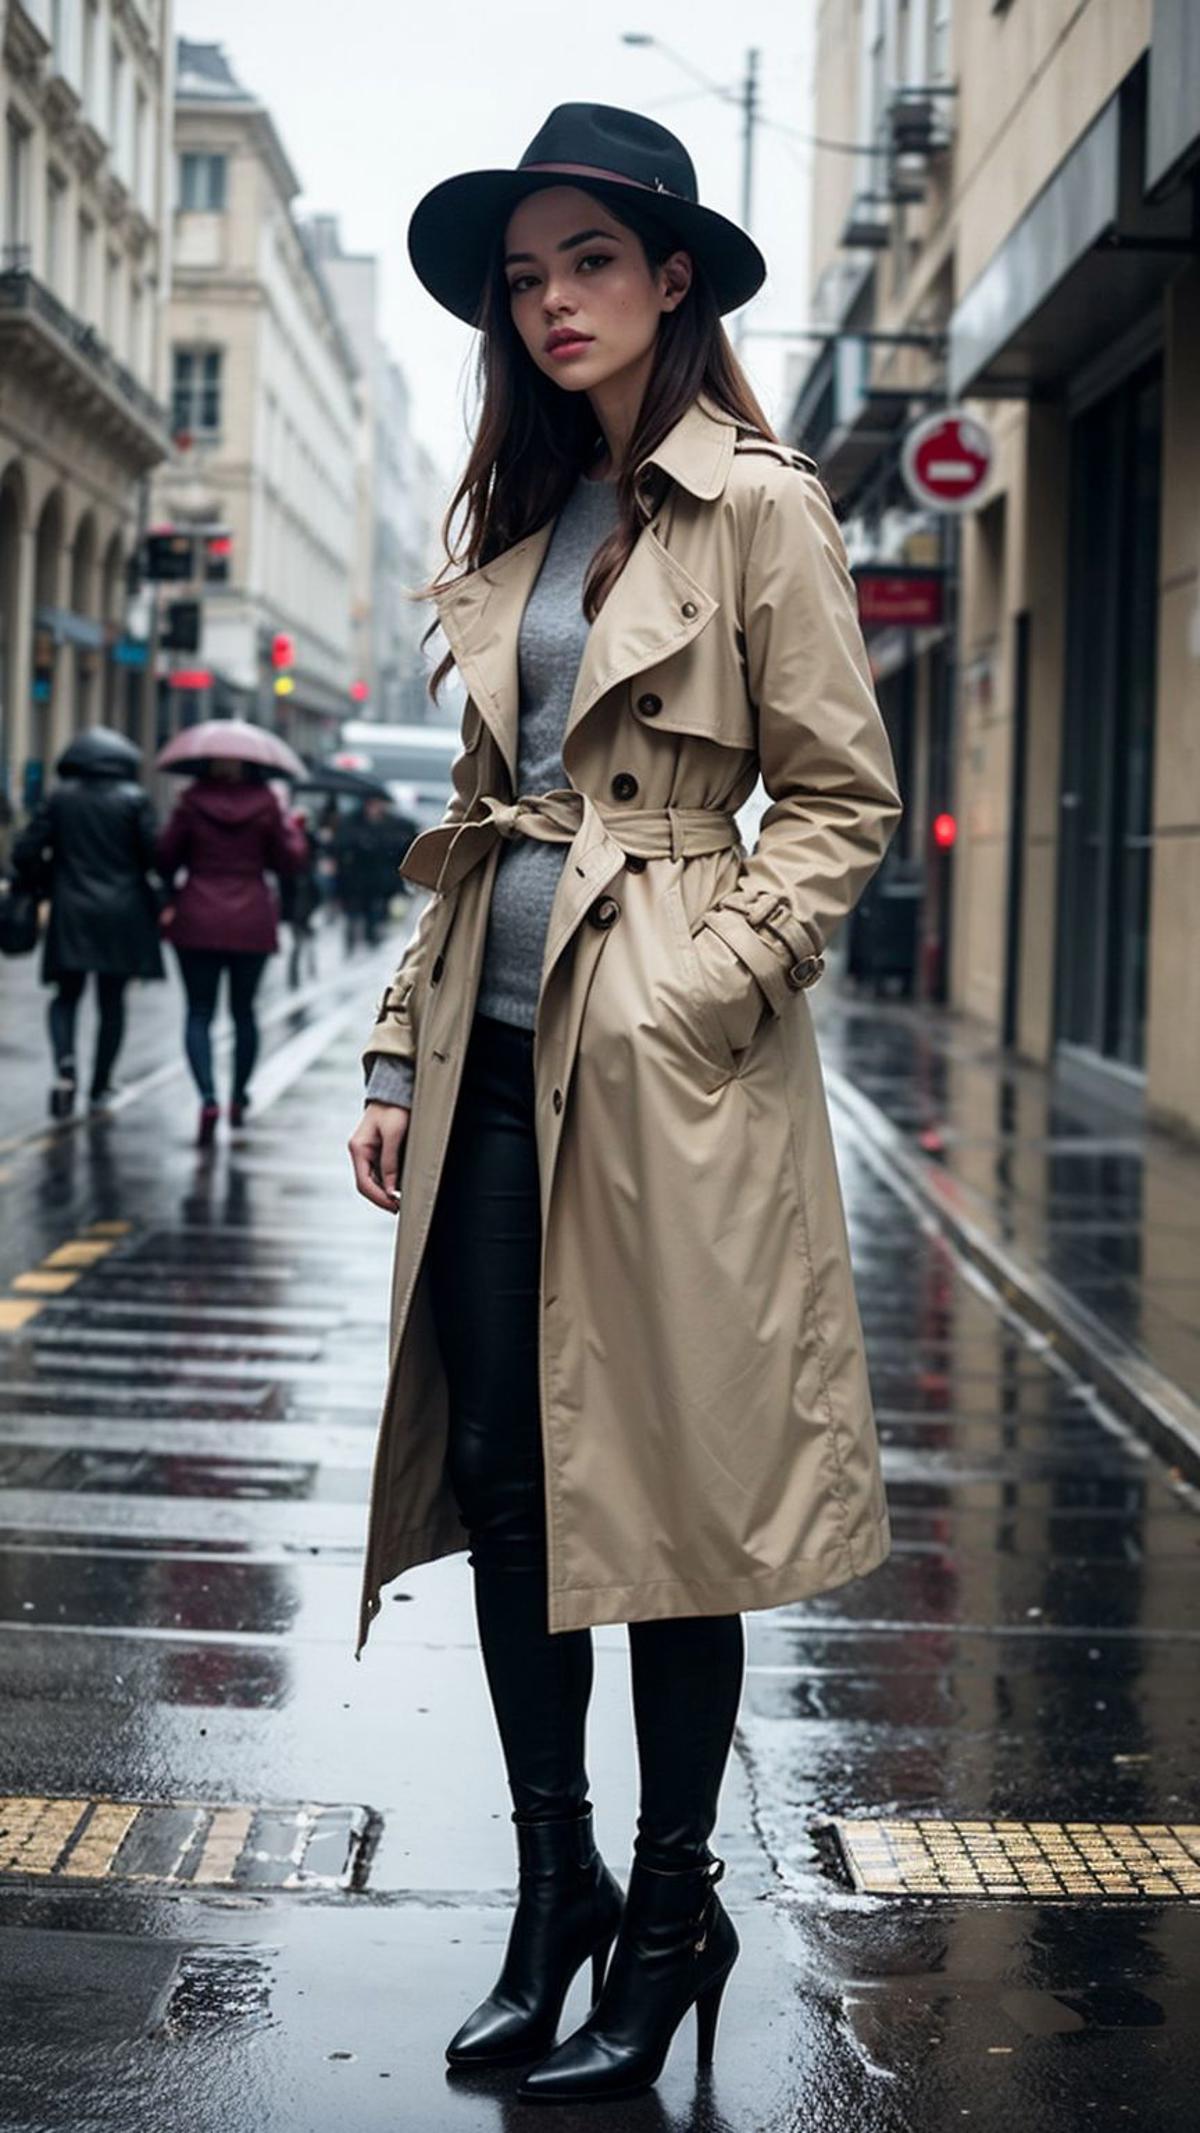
(1108, 730)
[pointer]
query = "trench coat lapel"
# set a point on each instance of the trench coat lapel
(481, 616)
(642, 622)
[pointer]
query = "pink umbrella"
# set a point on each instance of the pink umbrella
(233, 738)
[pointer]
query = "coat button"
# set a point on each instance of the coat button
(439, 964)
(635, 863)
(605, 912)
(649, 706)
(624, 785)
(557, 1099)
(689, 609)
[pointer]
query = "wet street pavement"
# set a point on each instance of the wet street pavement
(185, 1435)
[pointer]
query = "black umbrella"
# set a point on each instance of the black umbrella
(99, 753)
(331, 777)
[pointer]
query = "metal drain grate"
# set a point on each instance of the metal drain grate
(187, 1843)
(1042, 1859)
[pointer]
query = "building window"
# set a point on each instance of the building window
(940, 12)
(196, 391)
(90, 13)
(136, 317)
(112, 301)
(116, 85)
(85, 254)
(139, 146)
(202, 184)
(56, 194)
(16, 193)
(56, 35)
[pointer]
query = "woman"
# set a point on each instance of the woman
(91, 846)
(228, 831)
(627, 1367)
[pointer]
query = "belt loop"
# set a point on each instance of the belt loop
(676, 833)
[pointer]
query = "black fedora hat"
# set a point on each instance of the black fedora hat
(614, 154)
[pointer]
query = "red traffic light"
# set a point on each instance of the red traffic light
(945, 830)
(283, 650)
(359, 691)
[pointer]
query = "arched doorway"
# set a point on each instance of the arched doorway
(86, 661)
(47, 655)
(12, 521)
(118, 706)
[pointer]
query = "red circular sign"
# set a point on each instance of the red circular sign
(946, 460)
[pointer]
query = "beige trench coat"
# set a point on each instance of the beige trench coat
(706, 1417)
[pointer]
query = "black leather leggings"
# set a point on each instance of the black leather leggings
(686, 1671)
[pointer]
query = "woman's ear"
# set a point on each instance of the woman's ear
(674, 280)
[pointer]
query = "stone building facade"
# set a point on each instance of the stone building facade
(1016, 236)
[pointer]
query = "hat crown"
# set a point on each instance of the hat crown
(605, 138)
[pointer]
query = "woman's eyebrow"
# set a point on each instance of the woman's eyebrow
(584, 237)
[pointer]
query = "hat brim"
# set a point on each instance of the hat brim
(452, 230)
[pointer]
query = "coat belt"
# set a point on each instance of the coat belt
(558, 818)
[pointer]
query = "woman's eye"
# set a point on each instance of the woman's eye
(518, 283)
(596, 259)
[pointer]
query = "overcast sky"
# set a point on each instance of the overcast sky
(376, 100)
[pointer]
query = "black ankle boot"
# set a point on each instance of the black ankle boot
(568, 1908)
(676, 1948)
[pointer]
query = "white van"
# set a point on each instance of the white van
(413, 762)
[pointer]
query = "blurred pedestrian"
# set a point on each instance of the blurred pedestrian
(369, 846)
(627, 1369)
(299, 901)
(228, 831)
(90, 846)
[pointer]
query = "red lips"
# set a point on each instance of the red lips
(564, 337)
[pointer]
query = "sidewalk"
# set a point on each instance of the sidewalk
(1088, 1222)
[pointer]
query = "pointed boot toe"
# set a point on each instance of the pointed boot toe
(568, 1911)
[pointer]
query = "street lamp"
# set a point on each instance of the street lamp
(746, 97)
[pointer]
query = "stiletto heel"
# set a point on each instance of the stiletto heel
(708, 2007)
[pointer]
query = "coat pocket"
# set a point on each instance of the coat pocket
(705, 1027)
(738, 1000)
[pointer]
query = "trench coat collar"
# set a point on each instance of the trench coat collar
(655, 607)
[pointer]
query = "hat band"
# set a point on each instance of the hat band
(613, 177)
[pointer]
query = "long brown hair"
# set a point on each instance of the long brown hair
(533, 439)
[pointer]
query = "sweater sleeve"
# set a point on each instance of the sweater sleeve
(390, 1081)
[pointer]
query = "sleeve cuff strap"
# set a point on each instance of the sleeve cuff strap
(777, 950)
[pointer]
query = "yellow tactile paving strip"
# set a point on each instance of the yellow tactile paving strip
(183, 1843)
(57, 1272)
(1047, 1860)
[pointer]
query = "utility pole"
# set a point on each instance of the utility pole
(749, 121)
(747, 97)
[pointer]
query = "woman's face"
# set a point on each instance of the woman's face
(583, 296)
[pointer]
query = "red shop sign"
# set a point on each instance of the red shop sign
(909, 597)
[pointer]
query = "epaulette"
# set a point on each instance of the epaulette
(787, 455)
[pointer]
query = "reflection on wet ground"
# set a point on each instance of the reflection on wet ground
(1106, 1207)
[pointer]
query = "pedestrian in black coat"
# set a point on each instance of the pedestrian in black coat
(90, 847)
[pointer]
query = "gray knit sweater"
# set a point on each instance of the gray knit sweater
(550, 645)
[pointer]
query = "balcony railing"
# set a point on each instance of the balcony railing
(22, 292)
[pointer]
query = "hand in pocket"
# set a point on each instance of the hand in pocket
(735, 992)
